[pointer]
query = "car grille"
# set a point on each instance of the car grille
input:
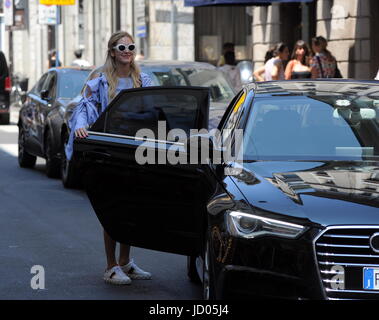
(342, 254)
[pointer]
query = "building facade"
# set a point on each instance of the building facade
(166, 29)
(350, 27)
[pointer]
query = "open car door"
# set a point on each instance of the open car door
(156, 205)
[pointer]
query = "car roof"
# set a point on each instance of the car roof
(163, 64)
(175, 64)
(68, 69)
(315, 87)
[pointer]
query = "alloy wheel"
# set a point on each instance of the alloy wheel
(69, 173)
(25, 160)
(20, 143)
(52, 163)
(64, 161)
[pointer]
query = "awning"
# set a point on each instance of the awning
(199, 3)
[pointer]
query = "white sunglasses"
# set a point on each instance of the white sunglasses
(123, 47)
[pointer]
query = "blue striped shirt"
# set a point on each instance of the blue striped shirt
(86, 112)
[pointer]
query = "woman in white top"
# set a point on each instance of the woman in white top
(231, 71)
(274, 68)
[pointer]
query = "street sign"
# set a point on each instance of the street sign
(57, 2)
(140, 18)
(8, 13)
(48, 15)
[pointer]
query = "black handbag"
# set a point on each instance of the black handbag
(337, 72)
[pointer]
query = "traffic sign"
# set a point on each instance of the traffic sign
(140, 18)
(8, 13)
(57, 2)
(48, 15)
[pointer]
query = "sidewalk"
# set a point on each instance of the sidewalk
(14, 115)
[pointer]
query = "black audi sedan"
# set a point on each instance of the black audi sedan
(290, 211)
(41, 116)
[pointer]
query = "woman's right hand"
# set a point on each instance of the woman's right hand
(81, 133)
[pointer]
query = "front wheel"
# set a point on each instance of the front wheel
(69, 172)
(52, 161)
(25, 160)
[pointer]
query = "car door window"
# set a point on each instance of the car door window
(235, 113)
(143, 108)
(49, 85)
(38, 87)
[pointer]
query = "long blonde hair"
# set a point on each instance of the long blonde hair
(110, 65)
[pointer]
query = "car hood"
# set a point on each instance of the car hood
(325, 193)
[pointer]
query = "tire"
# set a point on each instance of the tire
(52, 161)
(5, 118)
(191, 270)
(69, 173)
(25, 160)
(208, 276)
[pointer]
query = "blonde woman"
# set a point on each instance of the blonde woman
(119, 72)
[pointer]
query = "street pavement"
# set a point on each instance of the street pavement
(43, 224)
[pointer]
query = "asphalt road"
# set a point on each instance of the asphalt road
(43, 224)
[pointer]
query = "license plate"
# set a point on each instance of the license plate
(371, 278)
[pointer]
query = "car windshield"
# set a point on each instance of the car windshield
(316, 127)
(71, 82)
(220, 89)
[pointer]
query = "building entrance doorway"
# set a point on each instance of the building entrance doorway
(215, 26)
(297, 21)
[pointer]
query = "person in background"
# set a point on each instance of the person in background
(323, 64)
(260, 71)
(79, 62)
(231, 71)
(274, 67)
(298, 66)
(53, 59)
(227, 47)
(119, 72)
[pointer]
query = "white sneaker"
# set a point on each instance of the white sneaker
(116, 276)
(135, 272)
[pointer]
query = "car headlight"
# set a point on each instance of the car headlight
(250, 226)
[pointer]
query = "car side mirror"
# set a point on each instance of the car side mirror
(45, 95)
